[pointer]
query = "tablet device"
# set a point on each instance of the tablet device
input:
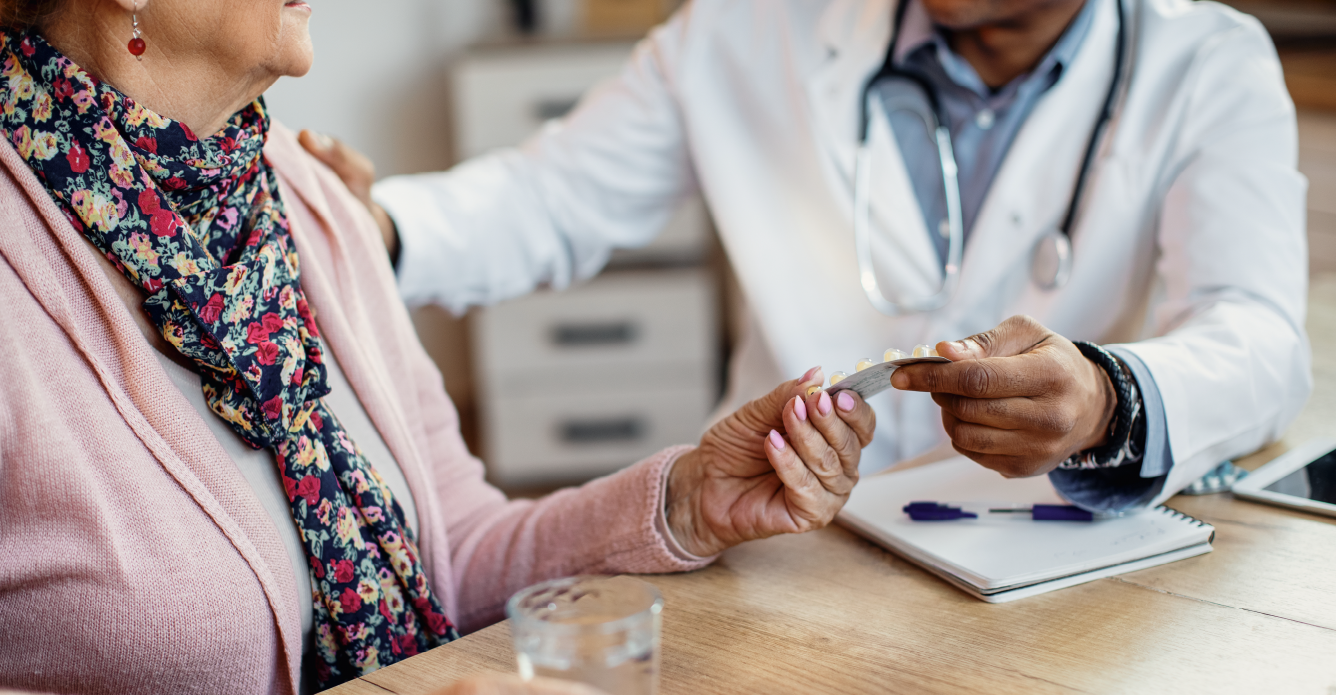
(1304, 478)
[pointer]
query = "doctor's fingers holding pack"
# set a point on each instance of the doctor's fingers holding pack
(1018, 399)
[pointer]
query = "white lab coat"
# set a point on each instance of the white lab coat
(1190, 247)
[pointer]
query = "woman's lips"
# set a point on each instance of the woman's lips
(297, 5)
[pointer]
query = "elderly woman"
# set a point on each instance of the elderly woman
(226, 464)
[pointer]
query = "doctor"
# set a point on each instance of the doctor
(1121, 173)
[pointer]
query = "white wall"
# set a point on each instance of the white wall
(379, 81)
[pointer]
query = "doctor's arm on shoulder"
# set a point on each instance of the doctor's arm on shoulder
(608, 175)
(1225, 365)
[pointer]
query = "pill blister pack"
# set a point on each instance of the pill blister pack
(871, 377)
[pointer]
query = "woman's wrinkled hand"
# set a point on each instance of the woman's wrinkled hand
(500, 684)
(784, 463)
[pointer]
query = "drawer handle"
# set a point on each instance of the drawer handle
(591, 334)
(549, 109)
(602, 431)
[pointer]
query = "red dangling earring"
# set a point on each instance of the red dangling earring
(136, 45)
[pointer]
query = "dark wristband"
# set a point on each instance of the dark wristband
(1127, 431)
(398, 248)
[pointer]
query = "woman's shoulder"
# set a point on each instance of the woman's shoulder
(345, 270)
(324, 213)
(315, 185)
(312, 187)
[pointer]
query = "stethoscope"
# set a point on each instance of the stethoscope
(1051, 263)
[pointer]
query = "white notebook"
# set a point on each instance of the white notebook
(1003, 557)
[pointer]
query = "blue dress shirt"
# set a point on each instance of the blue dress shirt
(983, 122)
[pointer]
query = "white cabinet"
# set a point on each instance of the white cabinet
(503, 93)
(579, 383)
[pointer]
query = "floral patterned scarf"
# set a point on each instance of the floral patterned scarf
(198, 224)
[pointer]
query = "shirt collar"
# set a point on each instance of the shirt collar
(919, 34)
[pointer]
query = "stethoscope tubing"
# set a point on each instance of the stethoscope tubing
(1105, 117)
(951, 269)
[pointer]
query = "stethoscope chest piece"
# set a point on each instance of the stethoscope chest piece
(1051, 265)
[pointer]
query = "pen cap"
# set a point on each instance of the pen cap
(933, 511)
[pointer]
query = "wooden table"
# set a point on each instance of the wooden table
(828, 612)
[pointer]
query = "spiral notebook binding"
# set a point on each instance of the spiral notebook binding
(1189, 518)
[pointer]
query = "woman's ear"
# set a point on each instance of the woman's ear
(132, 5)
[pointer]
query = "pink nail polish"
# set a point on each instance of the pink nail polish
(845, 401)
(810, 373)
(800, 409)
(823, 403)
(776, 440)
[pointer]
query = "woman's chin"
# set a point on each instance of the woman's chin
(296, 54)
(298, 61)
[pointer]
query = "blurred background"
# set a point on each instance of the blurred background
(561, 387)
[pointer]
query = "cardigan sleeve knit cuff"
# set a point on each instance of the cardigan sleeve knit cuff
(661, 518)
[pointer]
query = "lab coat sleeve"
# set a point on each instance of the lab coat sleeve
(1229, 355)
(607, 176)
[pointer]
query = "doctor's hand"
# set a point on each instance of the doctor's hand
(357, 173)
(1018, 399)
(784, 463)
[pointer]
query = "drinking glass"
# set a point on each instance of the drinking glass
(603, 631)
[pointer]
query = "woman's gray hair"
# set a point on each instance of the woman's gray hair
(22, 14)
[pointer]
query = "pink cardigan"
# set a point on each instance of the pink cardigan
(134, 557)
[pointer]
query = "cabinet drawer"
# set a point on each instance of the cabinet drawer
(503, 95)
(660, 324)
(559, 438)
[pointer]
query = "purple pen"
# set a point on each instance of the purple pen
(1050, 512)
(932, 511)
